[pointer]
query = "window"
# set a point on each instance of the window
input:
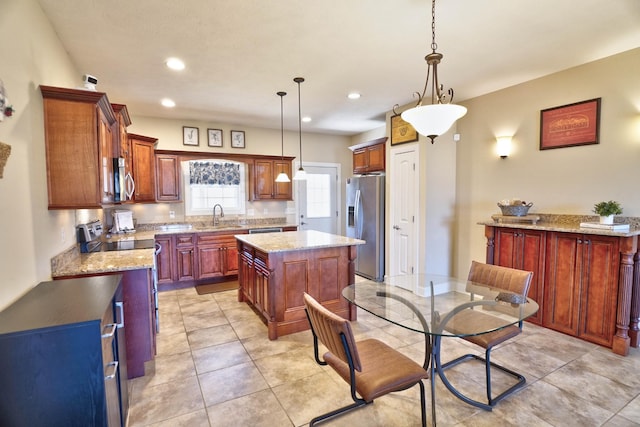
(318, 195)
(208, 182)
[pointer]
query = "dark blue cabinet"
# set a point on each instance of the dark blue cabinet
(61, 348)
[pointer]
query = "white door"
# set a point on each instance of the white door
(404, 192)
(317, 198)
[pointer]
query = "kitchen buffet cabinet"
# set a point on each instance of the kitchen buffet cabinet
(62, 355)
(586, 285)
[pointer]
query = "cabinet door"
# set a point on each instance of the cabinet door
(246, 277)
(144, 171)
(230, 257)
(105, 137)
(210, 261)
(261, 280)
(185, 257)
(164, 260)
(599, 290)
(562, 285)
(525, 250)
(376, 158)
(168, 178)
(360, 160)
(264, 179)
(282, 190)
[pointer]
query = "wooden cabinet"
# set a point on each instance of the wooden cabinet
(369, 157)
(62, 361)
(78, 127)
(217, 256)
(523, 249)
(165, 259)
(144, 168)
(263, 181)
(185, 259)
(581, 285)
(120, 138)
(167, 178)
(583, 282)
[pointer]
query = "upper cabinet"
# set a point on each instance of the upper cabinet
(167, 177)
(143, 168)
(369, 157)
(79, 147)
(263, 185)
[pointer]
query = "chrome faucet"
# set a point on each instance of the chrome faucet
(216, 220)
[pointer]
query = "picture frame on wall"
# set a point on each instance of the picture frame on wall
(214, 137)
(570, 125)
(190, 136)
(237, 139)
(402, 131)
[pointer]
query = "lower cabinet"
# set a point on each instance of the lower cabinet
(583, 283)
(195, 257)
(62, 358)
(217, 255)
(524, 250)
(581, 286)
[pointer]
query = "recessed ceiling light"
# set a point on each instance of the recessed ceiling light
(353, 95)
(306, 119)
(168, 103)
(175, 64)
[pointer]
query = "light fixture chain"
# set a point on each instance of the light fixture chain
(434, 46)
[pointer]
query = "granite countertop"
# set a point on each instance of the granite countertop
(296, 240)
(73, 263)
(568, 224)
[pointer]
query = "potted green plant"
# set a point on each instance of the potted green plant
(607, 210)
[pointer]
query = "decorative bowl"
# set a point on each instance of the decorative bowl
(515, 210)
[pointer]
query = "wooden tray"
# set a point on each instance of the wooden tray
(533, 219)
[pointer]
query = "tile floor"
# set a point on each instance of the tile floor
(216, 367)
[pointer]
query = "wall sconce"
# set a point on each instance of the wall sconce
(503, 146)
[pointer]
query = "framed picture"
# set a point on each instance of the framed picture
(190, 136)
(402, 131)
(570, 125)
(215, 137)
(237, 139)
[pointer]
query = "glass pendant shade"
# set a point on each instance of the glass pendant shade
(283, 177)
(300, 175)
(433, 120)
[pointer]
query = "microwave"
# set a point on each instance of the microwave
(123, 184)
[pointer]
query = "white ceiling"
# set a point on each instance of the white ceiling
(239, 53)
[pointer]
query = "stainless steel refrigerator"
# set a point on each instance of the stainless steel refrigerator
(365, 220)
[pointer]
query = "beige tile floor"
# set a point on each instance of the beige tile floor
(216, 367)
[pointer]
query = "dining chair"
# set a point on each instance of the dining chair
(512, 286)
(370, 367)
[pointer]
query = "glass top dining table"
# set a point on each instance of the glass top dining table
(429, 304)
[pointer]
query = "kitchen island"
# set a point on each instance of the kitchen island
(275, 269)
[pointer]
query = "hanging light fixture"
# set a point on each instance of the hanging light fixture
(282, 176)
(433, 119)
(300, 173)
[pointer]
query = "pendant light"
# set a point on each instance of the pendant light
(300, 173)
(282, 176)
(432, 120)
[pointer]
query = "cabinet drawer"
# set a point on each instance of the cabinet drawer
(184, 239)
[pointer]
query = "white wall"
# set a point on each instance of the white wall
(31, 55)
(561, 181)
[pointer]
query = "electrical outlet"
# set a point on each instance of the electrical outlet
(172, 214)
(63, 235)
(265, 211)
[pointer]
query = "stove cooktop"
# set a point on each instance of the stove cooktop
(124, 245)
(120, 245)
